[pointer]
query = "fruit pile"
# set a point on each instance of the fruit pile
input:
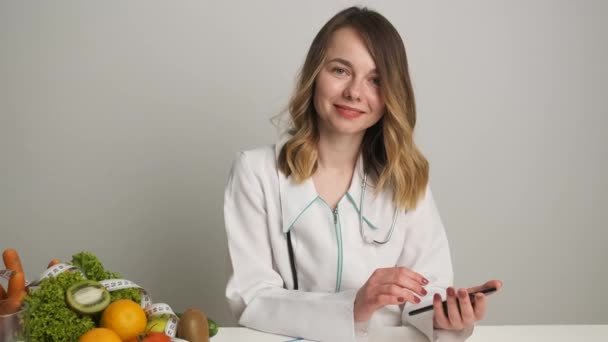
(79, 301)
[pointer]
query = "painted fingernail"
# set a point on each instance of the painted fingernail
(425, 281)
(437, 296)
(417, 300)
(451, 291)
(462, 294)
(400, 299)
(424, 293)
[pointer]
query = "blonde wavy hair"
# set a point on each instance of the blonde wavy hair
(390, 157)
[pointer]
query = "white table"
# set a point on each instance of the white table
(484, 333)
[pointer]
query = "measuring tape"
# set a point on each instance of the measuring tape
(146, 303)
(50, 272)
(6, 274)
(150, 309)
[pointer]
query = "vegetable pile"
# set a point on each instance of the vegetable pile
(49, 318)
(67, 306)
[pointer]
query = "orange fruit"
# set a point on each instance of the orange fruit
(125, 317)
(99, 335)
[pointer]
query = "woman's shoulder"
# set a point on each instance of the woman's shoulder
(261, 154)
(259, 160)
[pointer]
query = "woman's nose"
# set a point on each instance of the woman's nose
(352, 91)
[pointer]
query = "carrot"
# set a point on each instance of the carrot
(53, 263)
(13, 304)
(2, 292)
(16, 284)
(11, 260)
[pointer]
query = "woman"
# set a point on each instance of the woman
(335, 228)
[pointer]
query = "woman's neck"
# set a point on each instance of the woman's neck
(339, 153)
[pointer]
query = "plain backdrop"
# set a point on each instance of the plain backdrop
(119, 121)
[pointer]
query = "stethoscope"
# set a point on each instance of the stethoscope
(363, 236)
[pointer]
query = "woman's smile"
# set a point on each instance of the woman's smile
(348, 112)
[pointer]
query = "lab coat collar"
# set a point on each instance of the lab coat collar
(297, 197)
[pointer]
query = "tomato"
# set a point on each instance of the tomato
(152, 337)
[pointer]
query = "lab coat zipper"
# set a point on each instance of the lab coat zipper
(338, 230)
(335, 216)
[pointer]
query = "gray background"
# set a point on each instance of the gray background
(119, 121)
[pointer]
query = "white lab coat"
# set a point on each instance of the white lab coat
(332, 259)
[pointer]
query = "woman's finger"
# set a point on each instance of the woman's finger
(440, 316)
(466, 308)
(396, 275)
(383, 300)
(403, 274)
(409, 285)
(380, 275)
(453, 311)
(400, 276)
(479, 306)
(488, 284)
(397, 292)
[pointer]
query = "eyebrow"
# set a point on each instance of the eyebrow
(349, 64)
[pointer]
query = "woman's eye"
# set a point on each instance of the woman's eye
(376, 81)
(339, 71)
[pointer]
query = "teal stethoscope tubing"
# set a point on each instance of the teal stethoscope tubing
(363, 236)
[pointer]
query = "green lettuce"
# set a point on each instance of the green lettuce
(49, 318)
(93, 269)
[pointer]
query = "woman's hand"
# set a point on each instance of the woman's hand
(461, 313)
(388, 286)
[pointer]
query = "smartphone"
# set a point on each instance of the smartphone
(445, 303)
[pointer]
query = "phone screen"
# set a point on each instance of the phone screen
(445, 303)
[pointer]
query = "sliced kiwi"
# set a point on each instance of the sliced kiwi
(88, 297)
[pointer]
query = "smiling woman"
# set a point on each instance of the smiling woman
(300, 266)
(348, 85)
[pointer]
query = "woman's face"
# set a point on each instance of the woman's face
(347, 90)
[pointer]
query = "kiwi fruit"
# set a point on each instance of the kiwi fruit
(193, 326)
(88, 297)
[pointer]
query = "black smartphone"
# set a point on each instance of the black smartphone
(445, 303)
